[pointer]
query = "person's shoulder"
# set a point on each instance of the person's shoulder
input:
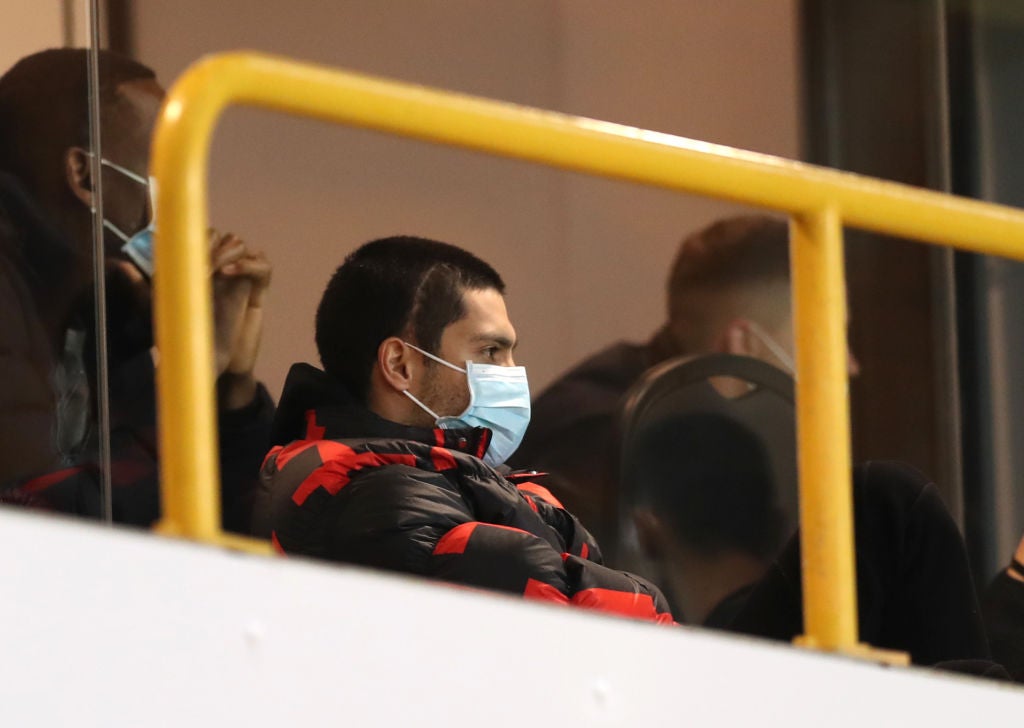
(889, 474)
(615, 365)
(343, 460)
(594, 385)
(587, 395)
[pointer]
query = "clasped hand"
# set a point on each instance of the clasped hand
(240, 280)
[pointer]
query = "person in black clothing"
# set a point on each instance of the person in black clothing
(392, 457)
(1003, 609)
(710, 525)
(915, 591)
(700, 495)
(728, 292)
(36, 263)
(48, 342)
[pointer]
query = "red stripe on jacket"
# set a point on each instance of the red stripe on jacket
(45, 481)
(341, 461)
(543, 592)
(443, 459)
(456, 540)
(629, 604)
(541, 492)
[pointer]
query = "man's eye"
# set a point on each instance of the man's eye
(491, 351)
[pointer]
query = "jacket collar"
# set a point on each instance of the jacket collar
(314, 406)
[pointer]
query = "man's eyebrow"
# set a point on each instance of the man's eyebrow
(502, 341)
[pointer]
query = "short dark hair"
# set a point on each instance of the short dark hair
(711, 479)
(44, 107)
(734, 251)
(397, 286)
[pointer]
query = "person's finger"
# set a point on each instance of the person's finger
(256, 269)
(254, 266)
(226, 251)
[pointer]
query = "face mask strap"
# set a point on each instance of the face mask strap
(147, 183)
(114, 229)
(123, 170)
(438, 359)
(773, 346)
(422, 406)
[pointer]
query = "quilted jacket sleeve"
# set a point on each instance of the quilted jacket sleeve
(577, 539)
(513, 560)
(402, 518)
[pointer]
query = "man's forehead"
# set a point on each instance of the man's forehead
(486, 318)
(141, 90)
(135, 113)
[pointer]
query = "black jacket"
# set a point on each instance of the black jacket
(76, 489)
(35, 267)
(360, 489)
(48, 428)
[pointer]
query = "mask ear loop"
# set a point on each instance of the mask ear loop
(113, 228)
(773, 346)
(125, 171)
(424, 407)
(147, 183)
(438, 359)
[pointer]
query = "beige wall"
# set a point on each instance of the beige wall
(584, 259)
(29, 26)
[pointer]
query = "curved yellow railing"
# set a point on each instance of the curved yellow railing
(819, 201)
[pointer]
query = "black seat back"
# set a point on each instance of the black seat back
(676, 421)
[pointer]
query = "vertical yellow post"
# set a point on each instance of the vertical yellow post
(823, 426)
(189, 470)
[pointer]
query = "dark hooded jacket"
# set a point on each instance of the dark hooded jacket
(35, 262)
(49, 450)
(346, 485)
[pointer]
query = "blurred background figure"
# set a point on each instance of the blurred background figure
(727, 292)
(700, 492)
(49, 439)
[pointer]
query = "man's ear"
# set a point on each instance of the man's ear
(393, 362)
(78, 174)
(737, 339)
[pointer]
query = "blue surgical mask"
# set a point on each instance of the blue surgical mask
(499, 399)
(138, 247)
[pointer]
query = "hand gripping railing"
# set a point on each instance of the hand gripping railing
(819, 202)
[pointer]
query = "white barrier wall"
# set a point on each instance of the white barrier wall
(104, 627)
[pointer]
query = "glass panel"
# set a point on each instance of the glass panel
(125, 103)
(71, 193)
(585, 260)
(47, 405)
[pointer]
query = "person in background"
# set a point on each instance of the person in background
(710, 525)
(707, 516)
(1003, 609)
(48, 340)
(728, 292)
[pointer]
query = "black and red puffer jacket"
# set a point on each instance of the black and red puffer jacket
(355, 488)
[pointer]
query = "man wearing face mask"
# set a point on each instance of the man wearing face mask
(392, 457)
(49, 393)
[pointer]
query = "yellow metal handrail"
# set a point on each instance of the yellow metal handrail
(819, 201)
